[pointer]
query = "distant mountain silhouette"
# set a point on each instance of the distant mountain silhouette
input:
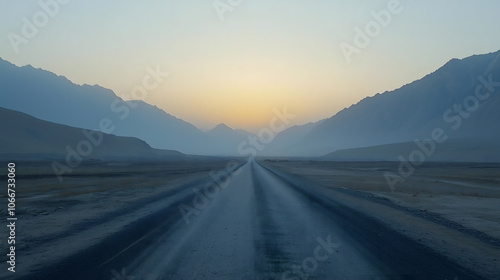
(412, 112)
(26, 137)
(225, 140)
(290, 137)
(53, 98)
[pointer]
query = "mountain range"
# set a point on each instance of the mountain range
(28, 138)
(461, 98)
(444, 99)
(53, 98)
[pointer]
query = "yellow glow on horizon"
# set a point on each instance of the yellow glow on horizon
(265, 55)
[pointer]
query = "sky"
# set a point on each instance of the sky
(235, 61)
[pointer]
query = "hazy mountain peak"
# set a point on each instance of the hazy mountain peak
(222, 126)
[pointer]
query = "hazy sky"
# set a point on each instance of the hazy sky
(264, 54)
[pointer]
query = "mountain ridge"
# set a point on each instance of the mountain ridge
(31, 138)
(55, 98)
(405, 113)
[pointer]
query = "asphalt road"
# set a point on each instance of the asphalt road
(259, 224)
